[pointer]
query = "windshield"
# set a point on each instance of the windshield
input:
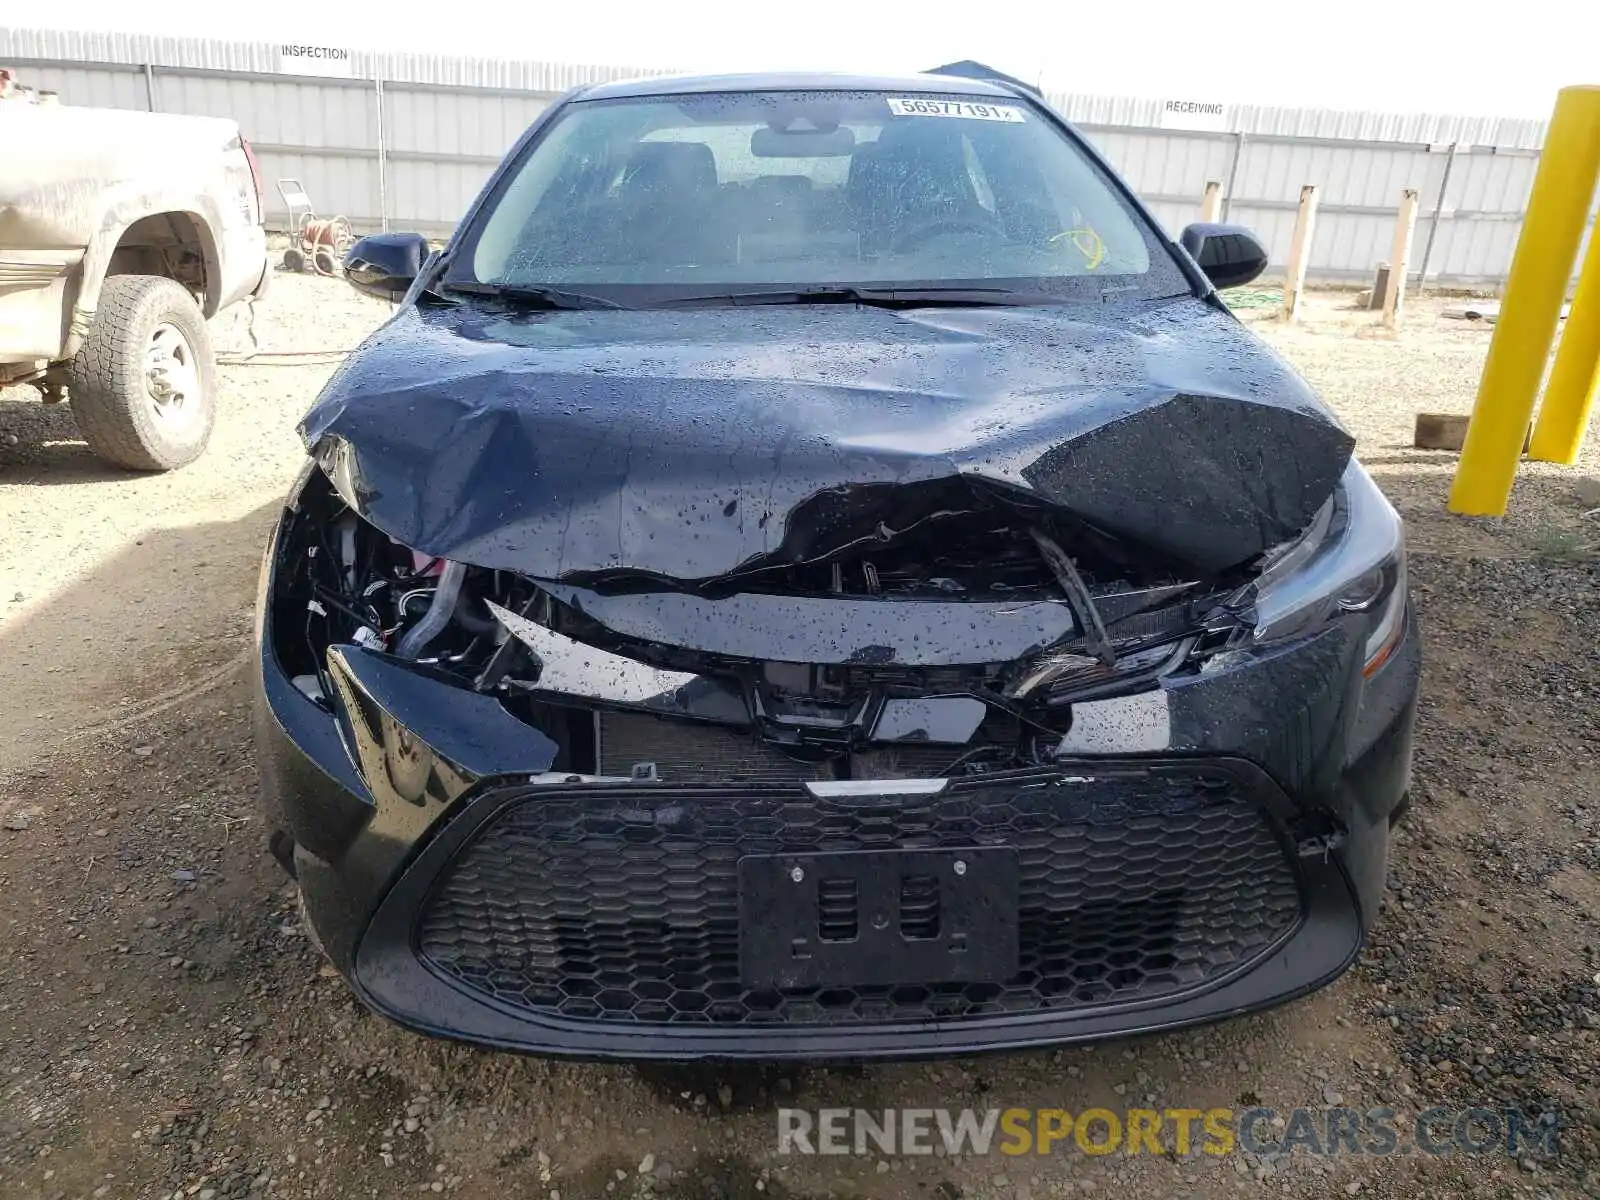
(690, 195)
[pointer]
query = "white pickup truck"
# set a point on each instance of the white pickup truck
(120, 234)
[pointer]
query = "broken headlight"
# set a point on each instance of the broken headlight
(1350, 561)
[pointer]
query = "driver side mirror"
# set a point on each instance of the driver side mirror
(1229, 255)
(385, 264)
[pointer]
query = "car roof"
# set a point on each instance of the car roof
(682, 85)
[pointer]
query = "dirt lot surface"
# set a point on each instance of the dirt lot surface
(166, 1030)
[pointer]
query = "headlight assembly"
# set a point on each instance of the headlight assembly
(1349, 563)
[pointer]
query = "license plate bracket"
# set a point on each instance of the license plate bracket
(878, 918)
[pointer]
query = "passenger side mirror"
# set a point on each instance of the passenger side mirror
(385, 264)
(1230, 255)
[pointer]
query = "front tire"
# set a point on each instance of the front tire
(143, 383)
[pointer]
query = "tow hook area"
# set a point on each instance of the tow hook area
(1317, 835)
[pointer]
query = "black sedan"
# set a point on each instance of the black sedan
(812, 571)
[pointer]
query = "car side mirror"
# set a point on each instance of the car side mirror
(1229, 255)
(385, 264)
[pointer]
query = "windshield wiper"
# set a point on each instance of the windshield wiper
(921, 297)
(533, 297)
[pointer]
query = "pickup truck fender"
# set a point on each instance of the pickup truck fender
(129, 203)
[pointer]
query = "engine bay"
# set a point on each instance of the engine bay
(577, 663)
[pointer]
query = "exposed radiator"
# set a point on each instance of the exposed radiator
(686, 752)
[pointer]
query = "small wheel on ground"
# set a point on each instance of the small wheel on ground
(142, 385)
(294, 260)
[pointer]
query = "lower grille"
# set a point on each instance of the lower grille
(621, 904)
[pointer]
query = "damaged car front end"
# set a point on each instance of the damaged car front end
(839, 680)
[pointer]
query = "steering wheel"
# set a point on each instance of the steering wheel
(913, 238)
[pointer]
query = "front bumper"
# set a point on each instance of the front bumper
(595, 920)
(1232, 863)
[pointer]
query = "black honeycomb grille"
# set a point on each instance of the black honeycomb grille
(621, 904)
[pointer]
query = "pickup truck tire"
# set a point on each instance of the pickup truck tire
(143, 383)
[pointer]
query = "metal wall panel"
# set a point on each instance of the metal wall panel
(435, 120)
(432, 193)
(1106, 110)
(337, 183)
(1165, 165)
(322, 113)
(261, 57)
(98, 86)
(1349, 125)
(1335, 124)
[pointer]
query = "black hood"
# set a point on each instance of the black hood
(693, 443)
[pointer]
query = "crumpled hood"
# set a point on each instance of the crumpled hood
(690, 443)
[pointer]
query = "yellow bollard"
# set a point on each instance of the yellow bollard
(1568, 397)
(1552, 227)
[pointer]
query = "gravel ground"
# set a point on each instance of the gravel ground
(166, 1030)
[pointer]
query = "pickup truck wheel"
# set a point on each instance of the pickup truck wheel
(142, 384)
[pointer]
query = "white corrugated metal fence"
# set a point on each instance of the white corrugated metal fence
(406, 140)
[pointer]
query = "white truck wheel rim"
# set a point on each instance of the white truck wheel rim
(172, 381)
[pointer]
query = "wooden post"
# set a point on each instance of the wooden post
(1211, 205)
(1400, 258)
(1299, 252)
